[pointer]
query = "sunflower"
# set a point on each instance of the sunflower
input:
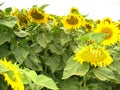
(12, 77)
(23, 21)
(95, 56)
(51, 19)
(112, 33)
(37, 16)
(15, 12)
(72, 21)
(107, 20)
(89, 26)
(74, 10)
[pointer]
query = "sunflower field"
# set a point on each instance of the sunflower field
(41, 51)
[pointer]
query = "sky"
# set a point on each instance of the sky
(96, 9)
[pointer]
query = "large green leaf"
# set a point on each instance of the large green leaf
(57, 49)
(5, 36)
(53, 62)
(43, 39)
(4, 50)
(29, 75)
(93, 86)
(20, 54)
(64, 38)
(69, 84)
(21, 33)
(115, 66)
(75, 68)
(33, 62)
(104, 73)
(8, 21)
(47, 82)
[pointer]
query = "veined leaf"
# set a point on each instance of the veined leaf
(104, 73)
(75, 68)
(47, 82)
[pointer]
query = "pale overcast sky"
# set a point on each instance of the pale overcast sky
(97, 9)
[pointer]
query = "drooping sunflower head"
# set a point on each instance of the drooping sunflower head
(74, 10)
(15, 11)
(97, 21)
(23, 21)
(112, 33)
(1, 14)
(89, 26)
(12, 77)
(118, 25)
(37, 16)
(51, 19)
(106, 20)
(95, 56)
(72, 21)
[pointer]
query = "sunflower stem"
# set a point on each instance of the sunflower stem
(84, 82)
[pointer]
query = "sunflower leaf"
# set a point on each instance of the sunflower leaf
(107, 75)
(47, 82)
(75, 68)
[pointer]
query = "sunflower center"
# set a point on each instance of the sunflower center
(72, 20)
(107, 31)
(37, 15)
(88, 26)
(22, 19)
(93, 55)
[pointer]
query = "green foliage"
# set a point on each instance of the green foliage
(107, 75)
(45, 53)
(75, 68)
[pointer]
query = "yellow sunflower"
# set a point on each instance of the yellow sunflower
(23, 21)
(52, 20)
(95, 56)
(112, 33)
(89, 26)
(15, 12)
(74, 10)
(106, 20)
(12, 77)
(72, 21)
(118, 25)
(37, 16)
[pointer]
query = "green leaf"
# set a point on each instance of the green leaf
(43, 6)
(20, 54)
(69, 84)
(8, 21)
(85, 37)
(11, 74)
(3, 69)
(8, 10)
(64, 38)
(75, 68)
(33, 62)
(93, 86)
(98, 37)
(56, 49)
(104, 73)
(33, 75)
(21, 33)
(47, 82)
(30, 75)
(42, 40)
(115, 66)
(5, 36)
(53, 62)
(4, 50)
